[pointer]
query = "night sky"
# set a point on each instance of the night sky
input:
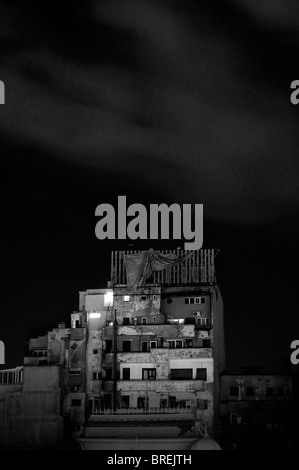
(161, 101)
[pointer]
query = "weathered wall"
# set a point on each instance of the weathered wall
(136, 306)
(174, 305)
(31, 418)
(260, 384)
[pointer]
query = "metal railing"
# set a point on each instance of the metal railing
(144, 411)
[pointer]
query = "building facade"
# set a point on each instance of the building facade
(147, 359)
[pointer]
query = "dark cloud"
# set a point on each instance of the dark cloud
(162, 101)
(175, 86)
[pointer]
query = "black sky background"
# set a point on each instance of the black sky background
(163, 101)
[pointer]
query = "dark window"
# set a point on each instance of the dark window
(144, 346)
(126, 346)
(144, 321)
(96, 376)
(187, 300)
(76, 402)
(269, 392)
(143, 297)
(234, 391)
(108, 374)
(169, 301)
(206, 343)
(95, 351)
(163, 403)
(126, 374)
(154, 319)
(108, 346)
(148, 374)
(191, 300)
(280, 392)
(74, 377)
(125, 401)
(181, 374)
(188, 343)
(126, 321)
(77, 325)
(205, 405)
(189, 321)
(172, 402)
(153, 344)
(249, 391)
(141, 402)
(201, 374)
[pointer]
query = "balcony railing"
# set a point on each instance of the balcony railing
(144, 411)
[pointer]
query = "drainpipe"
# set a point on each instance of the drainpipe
(115, 361)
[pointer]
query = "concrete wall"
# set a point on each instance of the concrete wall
(31, 418)
(136, 307)
(260, 384)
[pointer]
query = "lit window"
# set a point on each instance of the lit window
(108, 299)
(127, 298)
(95, 315)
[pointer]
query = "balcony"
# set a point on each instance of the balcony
(161, 386)
(142, 414)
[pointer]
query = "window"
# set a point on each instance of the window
(233, 418)
(75, 377)
(206, 343)
(127, 298)
(280, 392)
(172, 402)
(169, 301)
(189, 321)
(95, 351)
(153, 344)
(108, 374)
(96, 376)
(191, 300)
(197, 300)
(77, 324)
(126, 374)
(203, 321)
(154, 297)
(249, 391)
(187, 300)
(234, 391)
(108, 346)
(142, 403)
(126, 321)
(188, 343)
(144, 321)
(163, 403)
(125, 401)
(144, 346)
(148, 374)
(154, 319)
(181, 374)
(126, 346)
(205, 404)
(201, 374)
(269, 392)
(143, 297)
(176, 343)
(76, 402)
